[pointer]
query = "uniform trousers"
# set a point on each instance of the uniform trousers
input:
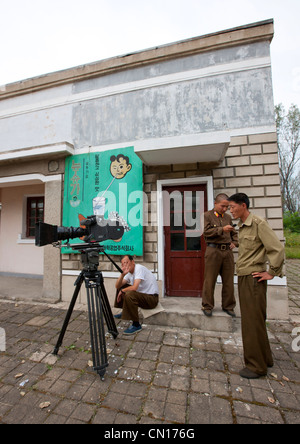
(253, 304)
(217, 262)
(131, 302)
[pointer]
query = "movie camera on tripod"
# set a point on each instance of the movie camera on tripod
(92, 231)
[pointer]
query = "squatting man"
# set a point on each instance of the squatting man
(136, 287)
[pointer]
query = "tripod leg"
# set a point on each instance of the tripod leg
(98, 344)
(109, 319)
(69, 313)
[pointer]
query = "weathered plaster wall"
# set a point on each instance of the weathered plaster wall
(227, 89)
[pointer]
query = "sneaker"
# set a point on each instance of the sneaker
(118, 316)
(132, 330)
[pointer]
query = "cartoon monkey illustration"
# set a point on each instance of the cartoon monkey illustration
(119, 166)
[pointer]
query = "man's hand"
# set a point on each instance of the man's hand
(125, 269)
(120, 296)
(228, 228)
(263, 275)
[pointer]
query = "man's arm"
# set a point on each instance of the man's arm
(274, 250)
(121, 281)
(209, 230)
(133, 287)
(234, 236)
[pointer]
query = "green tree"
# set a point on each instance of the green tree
(288, 134)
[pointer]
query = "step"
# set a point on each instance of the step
(187, 313)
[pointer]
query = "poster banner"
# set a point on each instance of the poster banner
(107, 183)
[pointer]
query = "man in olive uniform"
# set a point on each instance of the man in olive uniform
(220, 237)
(257, 243)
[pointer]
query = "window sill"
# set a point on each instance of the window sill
(25, 240)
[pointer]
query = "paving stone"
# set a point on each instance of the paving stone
(38, 321)
(164, 375)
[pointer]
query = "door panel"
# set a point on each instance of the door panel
(184, 243)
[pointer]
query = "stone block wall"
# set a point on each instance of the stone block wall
(250, 166)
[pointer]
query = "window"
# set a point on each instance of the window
(35, 213)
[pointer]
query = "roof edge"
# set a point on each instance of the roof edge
(252, 32)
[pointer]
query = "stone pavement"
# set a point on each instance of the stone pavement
(163, 375)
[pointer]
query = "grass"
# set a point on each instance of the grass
(292, 246)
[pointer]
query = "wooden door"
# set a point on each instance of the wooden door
(184, 242)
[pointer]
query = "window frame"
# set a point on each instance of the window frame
(29, 200)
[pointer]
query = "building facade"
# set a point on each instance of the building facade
(199, 117)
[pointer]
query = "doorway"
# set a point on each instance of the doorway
(184, 246)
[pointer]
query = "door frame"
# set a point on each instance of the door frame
(204, 180)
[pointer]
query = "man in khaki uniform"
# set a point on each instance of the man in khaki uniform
(220, 237)
(257, 243)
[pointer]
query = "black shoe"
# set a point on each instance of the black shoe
(230, 313)
(207, 312)
(249, 374)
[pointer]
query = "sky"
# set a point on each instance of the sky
(42, 36)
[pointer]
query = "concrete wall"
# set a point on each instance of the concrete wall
(225, 95)
(31, 120)
(227, 89)
(17, 255)
(190, 90)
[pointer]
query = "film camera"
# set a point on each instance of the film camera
(91, 230)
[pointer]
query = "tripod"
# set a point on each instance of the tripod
(98, 304)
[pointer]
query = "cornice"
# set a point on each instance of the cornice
(232, 37)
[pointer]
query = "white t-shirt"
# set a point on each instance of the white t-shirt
(148, 283)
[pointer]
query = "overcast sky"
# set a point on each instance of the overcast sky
(42, 36)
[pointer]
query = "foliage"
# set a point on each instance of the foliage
(292, 245)
(288, 135)
(291, 222)
(292, 240)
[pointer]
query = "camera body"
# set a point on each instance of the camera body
(91, 230)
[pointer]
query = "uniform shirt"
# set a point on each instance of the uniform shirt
(257, 243)
(213, 229)
(148, 283)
